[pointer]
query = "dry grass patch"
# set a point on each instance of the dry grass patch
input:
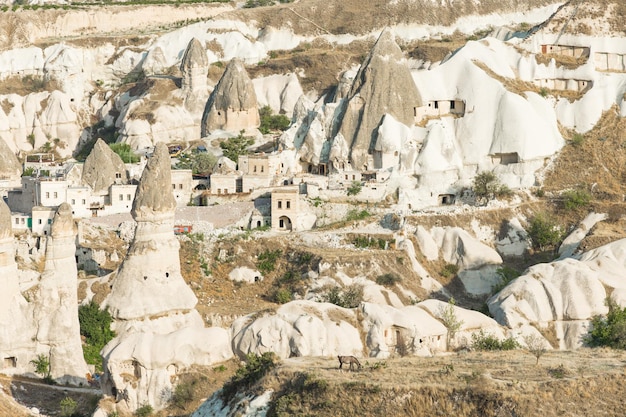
(597, 157)
(469, 384)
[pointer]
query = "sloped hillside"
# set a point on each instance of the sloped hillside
(586, 382)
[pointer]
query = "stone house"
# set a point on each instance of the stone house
(285, 208)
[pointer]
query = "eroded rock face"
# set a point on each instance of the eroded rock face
(566, 294)
(10, 166)
(56, 307)
(154, 200)
(102, 168)
(194, 67)
(382, 85)
(158, 331)
(232, 106)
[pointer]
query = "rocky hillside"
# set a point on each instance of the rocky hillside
(466, 384)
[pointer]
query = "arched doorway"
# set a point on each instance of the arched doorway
(284, 223)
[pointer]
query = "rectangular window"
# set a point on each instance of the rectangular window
(180, 186)
(118, 175)
(280, 204)
(173, 186)
(17, 221)
(288, 204)
(128, 197)
(121, 197)
(83, 201)
(254, 170)
(73, 202)
(55, 194)
(262, 168)
(47, 194)
(39, 221)
(49, 221)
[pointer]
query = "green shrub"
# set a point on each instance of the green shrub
(125, 152)
(233, 147)
(487, 186)
(448, 317)
(506, 274)
(574, 199)
(482, 341)
(145, 410)
(68, 407)
(266, 261)
(388, 280)
(544, 232)
(42, 365)
(182, 395)
(609, 330)
(256, 367)
(350, 297)
(282, 296)
(577, 139)
(449, 270)
(355, 188)
(270, 122)
(355, 214)
(95, 326)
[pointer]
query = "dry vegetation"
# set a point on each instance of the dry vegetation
(46, 398)
(585, 382)
(24, 85)
(596, 159)
(520, 87)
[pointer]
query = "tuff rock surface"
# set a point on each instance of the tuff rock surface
(56, 309)
(102, 168)
(382, 86)
(10, 167)
(158, 331)
(232, 106)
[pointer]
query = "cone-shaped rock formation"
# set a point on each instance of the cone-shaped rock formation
(382, 85)
(56, 311)
(232, 106)
(194, 67)
(149, 280)
(102, 168)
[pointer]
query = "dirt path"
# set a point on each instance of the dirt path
(46, 398)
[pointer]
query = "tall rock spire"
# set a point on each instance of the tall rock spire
(194, 67)
(149, 281)
(56, 310)
(382, 85)
(232, 106)
(158, 329)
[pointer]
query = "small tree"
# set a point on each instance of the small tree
(125, 152)
(449, 319)
(42, 365)
(234, 147)
(574, 199)
(536, 346)
(203, 163)
(544, 232)
(487, 186)
(355, 188)
(271, 122)
(610, 330)
(68, 407)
